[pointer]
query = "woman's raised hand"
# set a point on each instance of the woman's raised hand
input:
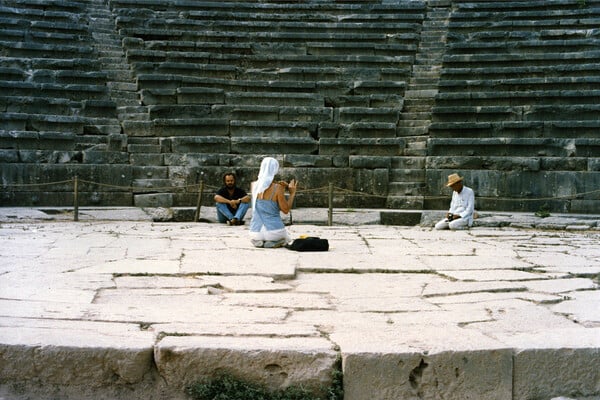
(292, 186)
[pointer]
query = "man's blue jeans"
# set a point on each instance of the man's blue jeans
(224, 215)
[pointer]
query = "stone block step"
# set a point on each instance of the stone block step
(366, 114)
(384, 147)
(75, 92)
(412, 130)
(50, 63)
(515, 147)
(272, 129)
(405, 202)
(179, 61)
(279, 8)
(39, 140)
(34, 105)
(549, 83)
(327, 73)
(517, 97)
(273, 28)
(522, 72)
(509, 163)
(201, 35)
(268, 98)
(408, 163)
(524, 46)
(273, 113)
(31, 49)
(400, 218)
(274, 145)
(43, 122)
(186, 126)
(519, 59)
(579, 112)
(399, 188)
(388, 50)
(412, 175)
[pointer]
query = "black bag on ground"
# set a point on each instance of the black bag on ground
(309, 244)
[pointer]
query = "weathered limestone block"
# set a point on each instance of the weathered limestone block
(367, 146)
(191, 127)
(274, 145)
(488, 163)
(295, 160)
(459, 375)
(306, 114)
(99, 108)
(119, 175)
(9, 156)
(368, 130)
(158, 96)
(144, 148)
(370, 162)
(200, 144)
(191, 159)
(194, 95)
(150, 172)
(105, 157)
(545, 373)
(328, 130)
(74, 356)
(153, 200)
(273, 129)
(372, 182)
(273, 362)
(268, 98)
(138, 159)
(179, 111)
(138, 128)
(360, 114)
(378, 87)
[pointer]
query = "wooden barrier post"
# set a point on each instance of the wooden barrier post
(199, 203)
(330, 211)
(75, 199)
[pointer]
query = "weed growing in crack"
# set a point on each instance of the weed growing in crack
(227, 387)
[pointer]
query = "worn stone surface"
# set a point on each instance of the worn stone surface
(140, 309)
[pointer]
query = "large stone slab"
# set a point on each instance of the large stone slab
(273, 362)
(75, 353)
(484, 374)
(545, 373)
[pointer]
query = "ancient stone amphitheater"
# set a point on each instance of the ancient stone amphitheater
(143, 100)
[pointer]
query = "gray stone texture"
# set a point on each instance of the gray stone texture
(365, 85)
(124, 305)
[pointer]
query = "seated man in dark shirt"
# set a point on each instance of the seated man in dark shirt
(232, 202)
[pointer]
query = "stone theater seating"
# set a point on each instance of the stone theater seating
(149, 97)
(314, 83)
(517, 108)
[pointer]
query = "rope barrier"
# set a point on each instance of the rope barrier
(320, 190)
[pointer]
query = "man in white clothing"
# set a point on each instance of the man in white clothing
(462, 206)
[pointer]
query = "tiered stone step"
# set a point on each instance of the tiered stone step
(407, 178)
(305, 78)
(58, 120)
(519, 81)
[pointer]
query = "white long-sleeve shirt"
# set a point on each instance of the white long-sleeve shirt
(463, 204)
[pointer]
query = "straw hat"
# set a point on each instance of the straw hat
(453, 178)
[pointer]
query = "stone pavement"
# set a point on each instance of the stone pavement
(119, 306)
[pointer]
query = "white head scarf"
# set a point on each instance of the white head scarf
(268, 168)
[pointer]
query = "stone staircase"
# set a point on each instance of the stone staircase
(122, 86)
(407, 173)
(145, 153)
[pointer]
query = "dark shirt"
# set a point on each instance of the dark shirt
(237, 194)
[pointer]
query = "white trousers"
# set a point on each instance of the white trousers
(455, 225)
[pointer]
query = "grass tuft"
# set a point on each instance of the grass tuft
(228, 387)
